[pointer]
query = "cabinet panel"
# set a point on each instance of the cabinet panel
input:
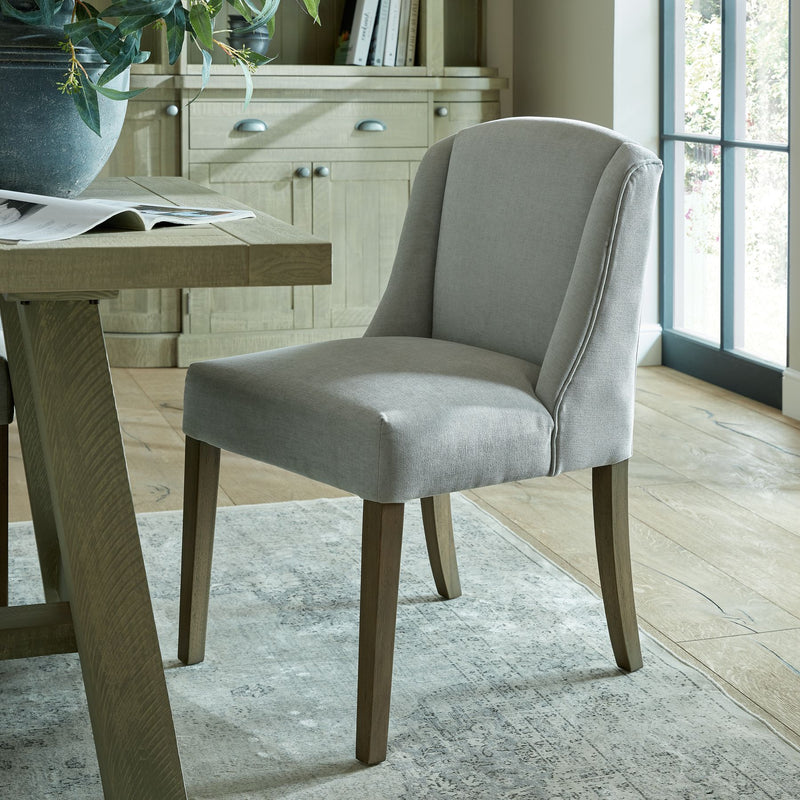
(367, 206)
(306, 123)
(150, 140)
(460, 115)
(266, 187)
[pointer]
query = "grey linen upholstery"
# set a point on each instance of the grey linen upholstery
(504, 346)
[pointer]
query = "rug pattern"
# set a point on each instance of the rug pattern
(510, 691)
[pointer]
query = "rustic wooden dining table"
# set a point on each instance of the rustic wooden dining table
(95, 586)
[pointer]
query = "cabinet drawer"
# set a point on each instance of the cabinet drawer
(299, 124)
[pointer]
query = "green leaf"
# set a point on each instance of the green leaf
(125, 57)
(85, 99)
(116, 94)
(206, 71)
(144, 8)
(248, 82)
(312, 6)
(78, 31)
(256, 17)
(48, 9)
(136, 23)
(202, 27)
(34, 17)
(176, 32)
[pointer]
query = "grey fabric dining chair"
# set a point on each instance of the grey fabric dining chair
(504, 348)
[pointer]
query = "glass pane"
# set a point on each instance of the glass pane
(697, 242)
(761, 291)
(702, 68)
(767, 71)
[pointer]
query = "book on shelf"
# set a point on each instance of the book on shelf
(378, 44)
(413, 26)
(40, 218)
(355, 33)
(392, 27)
(402, 33)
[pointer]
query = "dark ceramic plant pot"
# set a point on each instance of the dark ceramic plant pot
(256, 40)
(45, 147)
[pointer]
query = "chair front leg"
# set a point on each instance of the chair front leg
(201, 481)
(438, 523)
(610, 500)
(382, 533)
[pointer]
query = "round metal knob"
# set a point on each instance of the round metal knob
(171, 110)
(303, 172)
(441, 111)
(323, 172)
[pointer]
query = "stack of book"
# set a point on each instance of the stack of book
(378, 33)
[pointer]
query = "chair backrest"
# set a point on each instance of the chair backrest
(529, 237)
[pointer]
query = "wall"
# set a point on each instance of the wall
(791, 377)
(595, 60)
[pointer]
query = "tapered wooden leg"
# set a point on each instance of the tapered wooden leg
(382, 534)
(201, 481)
(438, 524)
(3, 515)
(610, 499)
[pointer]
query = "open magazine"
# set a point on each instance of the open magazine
(39, 218)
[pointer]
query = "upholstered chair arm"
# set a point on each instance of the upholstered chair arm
(587, 375)
(406, 306)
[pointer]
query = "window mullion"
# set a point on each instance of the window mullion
(732, 233)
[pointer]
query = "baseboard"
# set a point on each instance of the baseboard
(791, 393)
(649, 354)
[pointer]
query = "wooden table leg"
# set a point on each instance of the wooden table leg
(70, 393)
(44, 523)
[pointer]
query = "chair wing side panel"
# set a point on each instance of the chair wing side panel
(406, 308)
(587, 377)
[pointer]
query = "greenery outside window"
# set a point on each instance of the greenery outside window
(725, 141)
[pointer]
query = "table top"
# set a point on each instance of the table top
(252, 252)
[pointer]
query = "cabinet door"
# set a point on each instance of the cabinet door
(150, 140)
(359, 207)
(148, 145)
(282, 189)
(452, 113)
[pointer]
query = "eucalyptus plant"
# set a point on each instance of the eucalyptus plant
(115, 34)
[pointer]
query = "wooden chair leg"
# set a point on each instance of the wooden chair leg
(382, 533)
(610, 499)
(3, 515)
(438, 524)
(201, 481)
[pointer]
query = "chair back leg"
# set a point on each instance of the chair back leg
(610, 500)
(201, 481)
(3, 515)
(382, 533)
(438, 523)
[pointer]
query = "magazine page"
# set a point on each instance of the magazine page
(26, 218)
(143, 216)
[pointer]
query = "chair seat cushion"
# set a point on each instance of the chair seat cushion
(389, 419)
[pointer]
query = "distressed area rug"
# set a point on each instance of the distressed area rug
(507, 692)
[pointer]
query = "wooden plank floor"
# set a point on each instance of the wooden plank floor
(715, 528)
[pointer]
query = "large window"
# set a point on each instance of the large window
(725, 210)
